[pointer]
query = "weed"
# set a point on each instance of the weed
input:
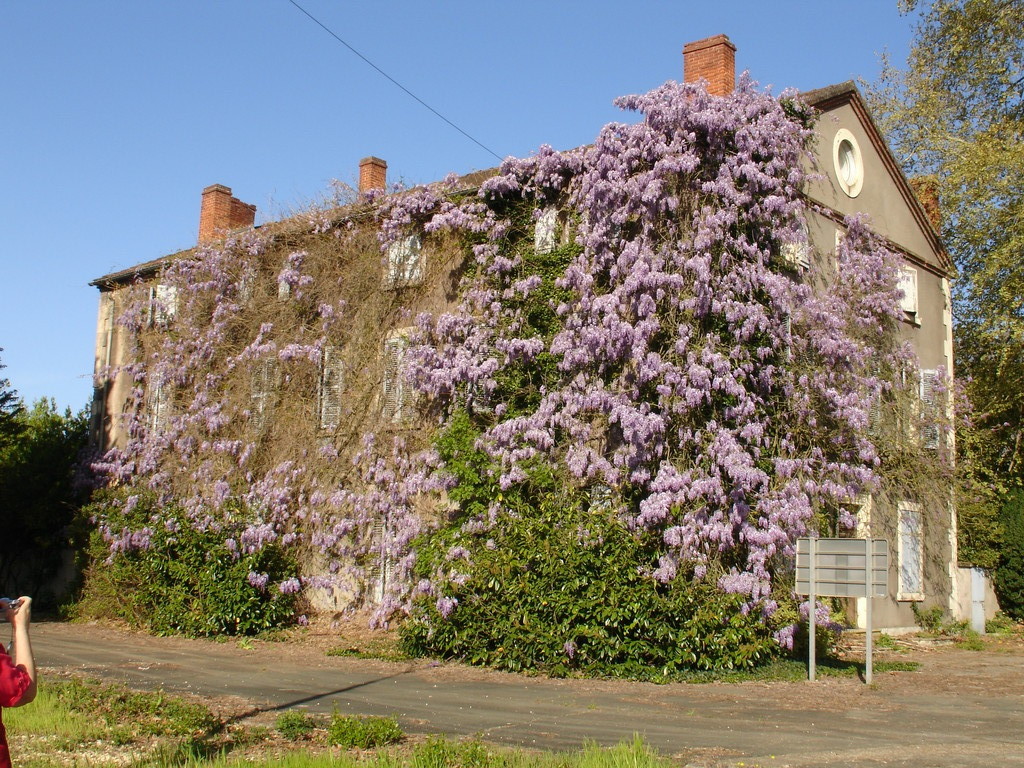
(363, 732)
(929, 619)
(886, 641)
(970, 640)
(295, 725)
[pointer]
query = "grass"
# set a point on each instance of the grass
(439, 752)
(91, 724)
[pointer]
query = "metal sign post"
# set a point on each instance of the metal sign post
(812, 617)
(841, 568)
(868, 645)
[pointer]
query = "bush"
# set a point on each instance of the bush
(363, 732)
(560, 584)
(294, 725)
(1000, 624)
(185, 581)
(1009, 576)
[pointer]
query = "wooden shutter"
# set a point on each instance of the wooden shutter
(332, 383)
(393, 396)
(264, 383)
(929, 430)
(156, 407)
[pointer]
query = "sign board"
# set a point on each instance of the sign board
(840, 567)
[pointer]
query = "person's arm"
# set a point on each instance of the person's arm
(21, 618)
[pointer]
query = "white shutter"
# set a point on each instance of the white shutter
(331, 386)
(544, 231)
(908, 284)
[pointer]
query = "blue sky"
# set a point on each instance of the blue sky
(115, 115)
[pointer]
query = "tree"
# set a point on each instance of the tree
(39, 495)
(956, 113)
(10, 409)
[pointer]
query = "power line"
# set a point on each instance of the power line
(389, 77)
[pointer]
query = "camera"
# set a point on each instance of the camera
(11, 603)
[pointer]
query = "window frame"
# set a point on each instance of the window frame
(853, 183)
(405, 262)
(909, 511)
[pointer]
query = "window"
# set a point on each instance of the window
(545, 231)
(331, 386)
(263, 379)
(247, 284)
(393, 394)
(908, 285)
(848, 162)
(163, 304)
(381, 571)
(910, 552)
(405, 262)
(157, 407)
(929, 429)
(797, 254)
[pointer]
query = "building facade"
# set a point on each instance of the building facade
(852, 173)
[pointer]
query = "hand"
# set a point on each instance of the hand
(20, 615)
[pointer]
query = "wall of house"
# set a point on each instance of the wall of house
(110, 392)
(883, 198)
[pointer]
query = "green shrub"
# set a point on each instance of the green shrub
(929, 619)
(363, 732)
(186, 581)
(294, 725)
(560, 584)
(1009, 576)
(1000, 624)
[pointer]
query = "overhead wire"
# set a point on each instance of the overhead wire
(333, 34)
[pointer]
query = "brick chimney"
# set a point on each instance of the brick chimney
(712, 59)
(220, 213)
(927, 190)
(373, 174)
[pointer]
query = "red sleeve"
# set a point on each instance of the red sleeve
(14, 681)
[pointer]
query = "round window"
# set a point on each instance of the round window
(848, 164)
